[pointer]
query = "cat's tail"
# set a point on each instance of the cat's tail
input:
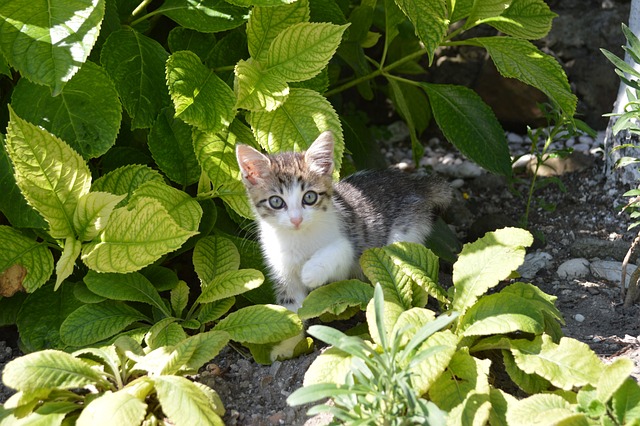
(439, 193)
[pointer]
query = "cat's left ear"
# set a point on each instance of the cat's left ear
(319, 156)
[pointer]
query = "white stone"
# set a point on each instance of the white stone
(522, 162)
(578, 317)
(534, 262)
(457, 183)
(586, 139)
(582, 147)
(573, 268)
(464, 170)
(611, 270)
(514, 138)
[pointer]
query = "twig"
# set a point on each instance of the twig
(630, 296)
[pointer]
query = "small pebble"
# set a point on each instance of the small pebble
(578, 317)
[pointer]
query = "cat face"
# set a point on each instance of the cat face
(290, 191)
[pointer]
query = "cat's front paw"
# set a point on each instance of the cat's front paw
(314, 274)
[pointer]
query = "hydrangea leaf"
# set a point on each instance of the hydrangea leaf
(49, 369)
(301, 51)
(257, 88)
(92, 213)
(235, 196)
(261, 324)
(184, 403)
(67, 261)
(528, 19)
(135, 237)
(485, 262)
(206, 16)
(213, 256)
(53, 190)
(485, 9)
(171, 146)
(199, 96)
(266, 22)
(469, 124)
(297, 123)
(125, 180)
(136, 65)
(49, 41)
(87, 112)
(34, 257)
(216, 154)
(429, 19)
(335, 298)
(230, 283)
(92, 323)
(181, 38)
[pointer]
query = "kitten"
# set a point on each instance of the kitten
(313, 230)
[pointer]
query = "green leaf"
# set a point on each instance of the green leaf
(234, 194)
(216, 154)
(184, 403)
(543, 302)
(33, 259)
(163, 333)
(133, 287)
(297, 123)
(474, 409)
(136, 65)
(212, 311)
(185, 210)
(335, 298)
(125, 180)
(206, 16)
(213, 256)
(230, 283)
(528, 19)
(516, 58)
(539, 409)
(266, 22)
(113, 408)
(626, 402)
(261, 324)
(181, 38)
(67, 261)
(429, 19)
(171, 146)
(92, 323)
(566, 365)
(501, 314)
(427, 371)
(482, 10)
(413, 106)
(48, 369)
(179, 298)
(530, 383)
(301, 51)
(13, 204)
(331, 366)
(613, 377)
(484, 263)
(150, 233)
(380, 268)
(192, 353)
(258, 89)
(92, 213)
(469, 124)
(37, 156)
(410, 321)
(199, 96)
(49, 42)
(39, 324)
(87, 112)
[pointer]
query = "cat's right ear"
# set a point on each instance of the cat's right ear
(254, 165)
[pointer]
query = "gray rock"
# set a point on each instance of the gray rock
(590, 248)
(611, 270)
(574, 268)
(533, 263)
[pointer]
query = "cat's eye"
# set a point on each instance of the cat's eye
(309, 198)
(276, 202)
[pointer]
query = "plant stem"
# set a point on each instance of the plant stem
(141, 6)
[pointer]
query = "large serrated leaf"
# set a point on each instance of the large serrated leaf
(301, 51)
(214, 310)
(52, 189)
(469, 124)
(230, 283)
(184, 403)
(67, 261)
(214, 255)
(136, 65)
(380, 268)
(528, 19)
(429, 19)
(429, 369)
(49, 41)
(113, 408)
(48, 369)
(216, 154)
(179, 298)
(199, 96)
(185, 210)
(92, 213)
(192, 353)
(484, 263)
(133, 287)
(257, 88)
(261, 324)
(165, 332)
(234, 194)
(566, 365)
(538, 410)
(206, 16)
(150, 233)
(86, 114)
(34, 257)
(172, 148)
(265, 23)
(335, 298)
(517, 58)
(92, 323)
(181, 38)
(501, 314)
(626, 402)
(125, 180)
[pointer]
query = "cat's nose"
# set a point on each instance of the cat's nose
(296, 221)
